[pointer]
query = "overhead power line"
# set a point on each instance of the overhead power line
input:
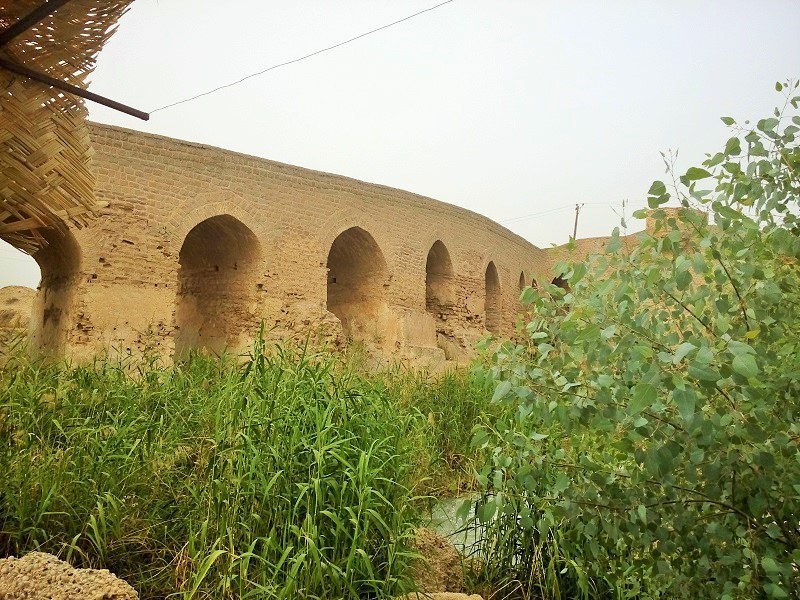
(532, 215)
(549, 211)
(296, 60)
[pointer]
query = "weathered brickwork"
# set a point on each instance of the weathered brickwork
(198, 246)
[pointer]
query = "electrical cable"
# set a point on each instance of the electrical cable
(296, 60)
(554, 210)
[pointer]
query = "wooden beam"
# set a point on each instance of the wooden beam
(71, 89)
(29, 20)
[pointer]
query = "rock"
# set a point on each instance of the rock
(40, 576)
(439, 569)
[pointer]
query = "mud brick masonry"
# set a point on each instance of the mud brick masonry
(199, 246)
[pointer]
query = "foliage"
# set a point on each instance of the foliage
(653, 451)
(292, 475)
(451, 404)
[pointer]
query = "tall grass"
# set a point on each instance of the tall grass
(291, 476)
(510, 562)
(451, 404)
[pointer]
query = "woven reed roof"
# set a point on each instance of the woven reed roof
(45, 179)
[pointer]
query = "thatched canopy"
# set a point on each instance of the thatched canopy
(45, 179)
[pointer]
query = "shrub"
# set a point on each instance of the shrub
(653, 450)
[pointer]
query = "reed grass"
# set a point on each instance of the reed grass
(293, 475)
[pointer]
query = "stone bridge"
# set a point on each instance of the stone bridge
(198, 246)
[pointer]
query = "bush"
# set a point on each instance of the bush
(653, 451)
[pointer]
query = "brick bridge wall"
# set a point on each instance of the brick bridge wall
(199, 245)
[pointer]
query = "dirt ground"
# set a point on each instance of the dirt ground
(440, 569)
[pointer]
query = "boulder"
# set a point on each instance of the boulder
(40, 576)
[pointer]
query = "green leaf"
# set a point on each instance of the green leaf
(529, 295)
(486, 511)
(696, 173)
(608, 332)
(657, 189)
(715, 160)
(733, 147)
(775, 591)
(464, 510)
(703, 372)
(769, 564)
(588, 334)
(479, 439)
(604, 381)
(704, 355)
(685, 400)
(683, 279)
(736, 348)
(745, 364)
(501, 391)
(644, 395)
(682, 351)
(578, 271)
(561, 484)
(766, 125)
(729, 213)
(728, 120)
(204, 568)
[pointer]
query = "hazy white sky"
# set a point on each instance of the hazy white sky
(516, 109)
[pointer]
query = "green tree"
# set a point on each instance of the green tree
(653, 446)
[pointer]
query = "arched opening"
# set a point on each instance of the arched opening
(17, 268)
(522, 283)
(559, 281)
(19, 278)
(216, 287)
(356, 284)
(439, 281)
(52, 316)
(493, 302)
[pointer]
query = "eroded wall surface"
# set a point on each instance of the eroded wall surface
(198, 246)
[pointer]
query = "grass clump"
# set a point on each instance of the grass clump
(293, 475)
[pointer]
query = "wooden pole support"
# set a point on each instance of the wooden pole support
(71, 89)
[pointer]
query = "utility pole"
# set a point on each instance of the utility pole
(578, 208)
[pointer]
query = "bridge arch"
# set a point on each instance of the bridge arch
(53, 312)
(559, 281)
(493, 300)
(356, 284)
(208, 204)
(215, 294)
(440, 292)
